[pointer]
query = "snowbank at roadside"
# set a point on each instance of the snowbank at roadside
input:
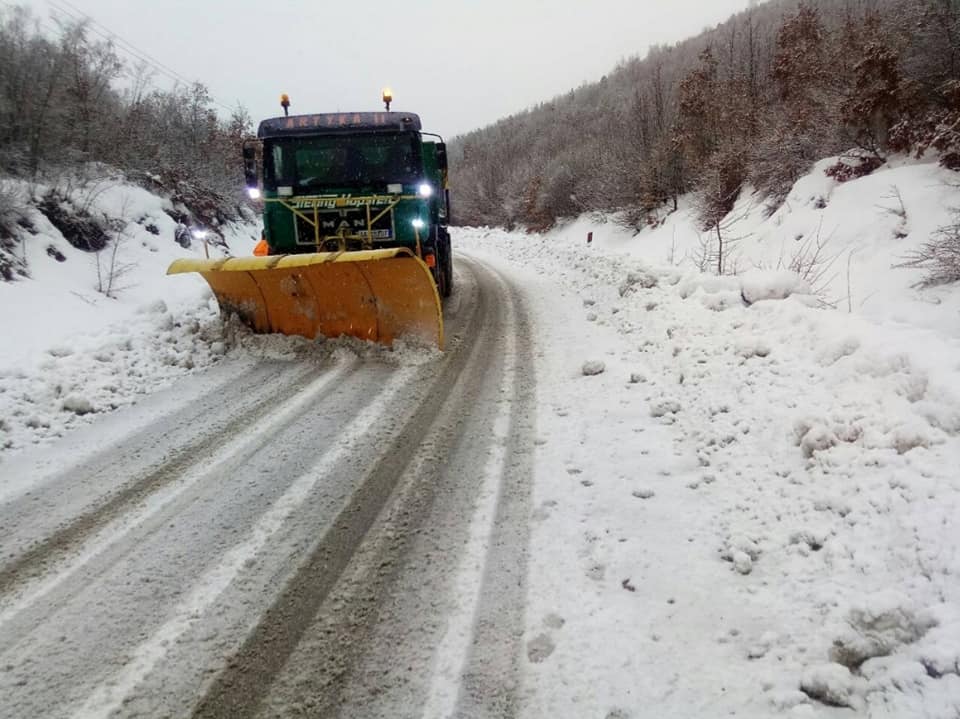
(844, 237)
(67, 350)
(752, 509)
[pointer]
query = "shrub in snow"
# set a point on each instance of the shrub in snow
(939, 257)
(593, 367)
(849, 167)
(757, 285)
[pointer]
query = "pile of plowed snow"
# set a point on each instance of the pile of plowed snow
(845, 238)
(68, 350)
(740, 485)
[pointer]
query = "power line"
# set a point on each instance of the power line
(129, 48)
(130, 53)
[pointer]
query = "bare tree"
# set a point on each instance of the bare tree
(111, 269)
(13, 211)
(939, 257)
(61, 109)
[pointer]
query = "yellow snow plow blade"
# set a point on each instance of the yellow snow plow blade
(376, 295)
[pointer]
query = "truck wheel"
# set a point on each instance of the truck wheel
(435, 248)
(440, 277)
(446, 264)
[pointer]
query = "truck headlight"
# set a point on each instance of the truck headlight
(418, 223)
(425, 190)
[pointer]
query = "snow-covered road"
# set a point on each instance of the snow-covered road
(284, 536)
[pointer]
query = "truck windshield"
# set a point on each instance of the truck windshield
(342, 161)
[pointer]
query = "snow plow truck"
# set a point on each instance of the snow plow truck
(355, 239)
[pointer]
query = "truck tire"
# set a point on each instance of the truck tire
(435, 247)
(446, 263)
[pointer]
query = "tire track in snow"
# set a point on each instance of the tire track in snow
(252, 673)
(111, 695)
(476, 665)
(490, 683)
(357, 631)
(59, 541)
(62, 554)
(92, 459)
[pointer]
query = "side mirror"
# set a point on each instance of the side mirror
(442, 155)
(250, 163)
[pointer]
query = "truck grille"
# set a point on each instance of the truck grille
(351, 223)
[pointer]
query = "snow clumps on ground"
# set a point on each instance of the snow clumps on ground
(71, 383)
(802, 500)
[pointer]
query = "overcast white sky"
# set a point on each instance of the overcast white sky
(460, 64)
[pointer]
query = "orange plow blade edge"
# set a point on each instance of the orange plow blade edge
(376, 295)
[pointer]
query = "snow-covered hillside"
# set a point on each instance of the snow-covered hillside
(845, 236)
(69, 351)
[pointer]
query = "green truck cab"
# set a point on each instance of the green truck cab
(344, 182)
